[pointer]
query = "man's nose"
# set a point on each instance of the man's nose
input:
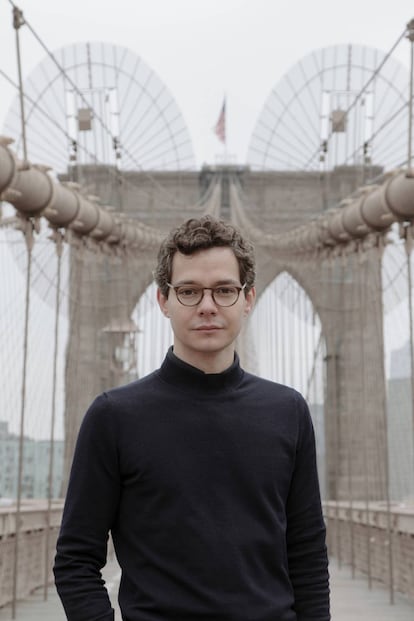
(207, 302)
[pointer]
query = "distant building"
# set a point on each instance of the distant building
(400, 426)
(36, 458)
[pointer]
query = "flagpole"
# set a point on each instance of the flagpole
(226, 153)
(220, 129)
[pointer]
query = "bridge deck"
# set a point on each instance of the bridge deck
(351, 599)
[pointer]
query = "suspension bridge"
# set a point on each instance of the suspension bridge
(96, 165)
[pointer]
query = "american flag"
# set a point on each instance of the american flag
(220, 126)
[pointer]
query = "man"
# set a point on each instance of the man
(204, 474)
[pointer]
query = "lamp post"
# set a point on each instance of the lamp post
(123, 349)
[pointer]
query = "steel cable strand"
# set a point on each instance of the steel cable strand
(58, 240)
(375, 292)
(365, 431)
(407, 231)
(27, 226)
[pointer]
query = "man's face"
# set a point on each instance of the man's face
(204, 334)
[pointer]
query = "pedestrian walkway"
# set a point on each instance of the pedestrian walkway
(351, 601)
(35, 608)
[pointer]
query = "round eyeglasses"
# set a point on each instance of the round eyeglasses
(191, 295)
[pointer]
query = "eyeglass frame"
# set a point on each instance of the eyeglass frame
(202, 289)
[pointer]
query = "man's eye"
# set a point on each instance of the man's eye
(188, 292)
(225, 290)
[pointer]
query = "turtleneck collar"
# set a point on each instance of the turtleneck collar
(183, 375)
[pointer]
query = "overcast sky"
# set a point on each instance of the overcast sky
(204, 49)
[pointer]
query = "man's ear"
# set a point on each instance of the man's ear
(250, 299)
(162, 302)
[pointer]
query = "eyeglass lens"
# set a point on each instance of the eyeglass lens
(223, 296)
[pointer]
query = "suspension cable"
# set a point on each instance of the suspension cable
(58, 239)
(27, 227)
(376, 289)
(407, 232)
(362, 353)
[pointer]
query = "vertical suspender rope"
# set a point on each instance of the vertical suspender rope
(310, 387)
(304, 340)
(275, 341)
(337, 439)
(160, 345)
(346, 262)
(384, 422)
(348, 103)
(261, 314)
(27, 226)
(58, 238)
(362, 308)
(156, 332)
(18, 21)
(408, 245)
(316, 376)
(77, 264)
(349, 426)
(270, 319)
(410, 36)
(146, 310)
(290, 331)
(281, 287)
(133, 334)
(137, 318)
(271, 342)
(302, 352)
(142, 323)
(292, 325)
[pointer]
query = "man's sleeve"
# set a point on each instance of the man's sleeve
(90, 509)
(307, 554)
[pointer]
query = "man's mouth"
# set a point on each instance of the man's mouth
(207, 328)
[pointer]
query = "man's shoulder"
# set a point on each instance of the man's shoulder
(123, 402)
(138, 387)
(255, 382)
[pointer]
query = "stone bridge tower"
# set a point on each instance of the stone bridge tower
(275, 202)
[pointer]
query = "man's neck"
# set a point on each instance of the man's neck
(207, 363)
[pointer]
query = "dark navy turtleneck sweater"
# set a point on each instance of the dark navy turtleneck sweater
(208, 485)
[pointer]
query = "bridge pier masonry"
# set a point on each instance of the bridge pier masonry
(346, 294)
(104, 294)
(108, 292)
(355, 399)
(106, 286)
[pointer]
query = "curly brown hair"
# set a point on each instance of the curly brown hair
(200, 234)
